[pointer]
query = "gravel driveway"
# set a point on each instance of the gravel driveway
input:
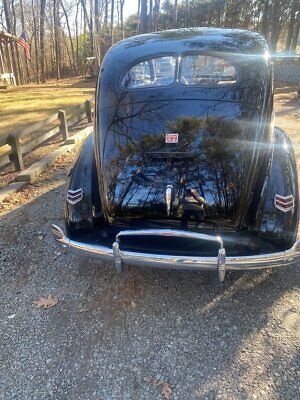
(142, 335)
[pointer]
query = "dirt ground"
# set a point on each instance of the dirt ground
(22, 106)
(287, 116)
(145, 334)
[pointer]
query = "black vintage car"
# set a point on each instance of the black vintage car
(185, 169)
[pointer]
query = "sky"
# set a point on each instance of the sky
(130, 7)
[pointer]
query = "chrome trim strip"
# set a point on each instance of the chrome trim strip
(270, 260)
(170, 232)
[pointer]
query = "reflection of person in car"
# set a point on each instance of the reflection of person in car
(193, 206)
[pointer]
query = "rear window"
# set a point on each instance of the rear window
(151, 73)
(206, 71)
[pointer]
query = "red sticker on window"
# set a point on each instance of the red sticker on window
(172, 137)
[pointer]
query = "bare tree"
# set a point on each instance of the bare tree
(57, 38)
(175, 13)
(42, 39)
(62, 33)
(150, 14)
(7, 13)
(122, 3)
(296, 33)
(112, 12)
(143, 16)
(73, 60)
(24, 30)
(156, 13)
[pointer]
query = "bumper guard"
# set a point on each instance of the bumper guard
(220, 263)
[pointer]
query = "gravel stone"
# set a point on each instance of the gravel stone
(114, 337)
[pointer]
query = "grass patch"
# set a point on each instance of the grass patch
(24, 105)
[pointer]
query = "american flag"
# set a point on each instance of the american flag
(22, 41)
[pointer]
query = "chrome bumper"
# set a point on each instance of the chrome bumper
(220, 263)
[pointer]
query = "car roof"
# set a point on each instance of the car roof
(193, 39)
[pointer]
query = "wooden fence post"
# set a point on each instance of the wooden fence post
(16, 151)
(88, 110)
(63, 124)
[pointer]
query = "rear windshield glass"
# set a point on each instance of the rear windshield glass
(151, 73)
(206, 71)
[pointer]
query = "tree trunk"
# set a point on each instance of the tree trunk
(187, 14)
(112, 11)
(35, 33)
(67, 50)
(264, 19)
(150, 15)
(106, 14)
(9, 29)
(156, 13)
(57, 38)
(139, 14)
(89, 23)
(97, 16)
(42, 39)
(275, 24)
(175, 13)
(24, 30)
(70, 38)
(122, 2)
(91, 28)
(77, 36)
(85, 14)
(97, 28)
(143, 17)
(296, 33)
(20, 71)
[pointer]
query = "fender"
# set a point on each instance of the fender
(275, 224)
(83, 204)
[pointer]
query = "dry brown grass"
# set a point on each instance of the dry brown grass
(23, 106)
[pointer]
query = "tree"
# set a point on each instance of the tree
(63, 33)
(7, 13)
(112, 10)
(57, 39)
(42, 39)
(143, 16)
(24, 30)
(296, 33)
(175, 13)
(122, 3)
(70, 37)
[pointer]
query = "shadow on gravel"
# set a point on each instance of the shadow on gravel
(110, 333)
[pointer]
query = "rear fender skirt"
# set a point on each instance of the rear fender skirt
(83, 206)
(282, 182)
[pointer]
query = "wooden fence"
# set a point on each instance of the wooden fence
(287, 69)
(15, 145)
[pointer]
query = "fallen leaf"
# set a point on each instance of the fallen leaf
(47, 302)
(166, 391)
(153, 382)
(133, 304)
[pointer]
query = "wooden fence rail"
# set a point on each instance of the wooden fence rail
(15, 145)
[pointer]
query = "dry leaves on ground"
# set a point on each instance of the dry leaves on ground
(166, 390)
(47, 302)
